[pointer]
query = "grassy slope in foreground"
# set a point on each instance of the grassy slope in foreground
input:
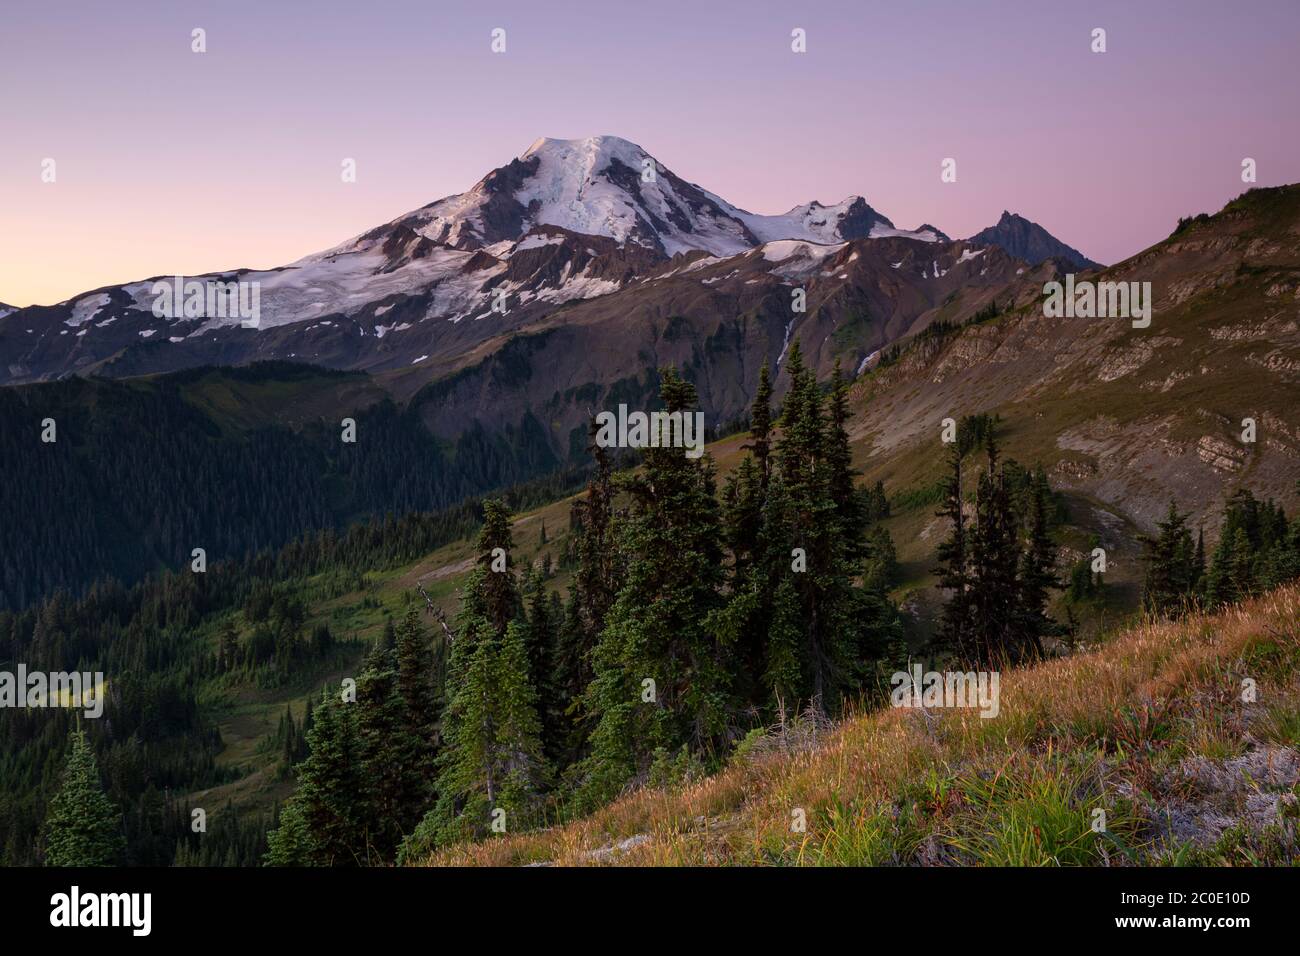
(1149, 726)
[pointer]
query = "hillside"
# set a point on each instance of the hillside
(1124, 419)
(1148, 726)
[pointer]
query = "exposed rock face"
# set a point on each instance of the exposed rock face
(1132, 417)
(1029, 241)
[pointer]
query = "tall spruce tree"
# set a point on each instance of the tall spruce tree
(82, 827)
(599, 574)
(994, 568)
(1037, 573)
(328, 808)
(954, 568)
(394, 756)
(492, 759)
(542, 624)
(655, 631)
(810, 523)
(760, 426)
(416, 686)
(1168, 586)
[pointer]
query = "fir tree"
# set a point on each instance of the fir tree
(492, 756)
(397, 791)
(227, 647)
(1167, 588)
(953, 570)
(499, 591)
(656, 630)
(1231, 574)
(541, 640)
(1037, 574)
(329, 799)
(289, 843)
(994, 564)
(82, 827)
(415, 686)
(760, 426)
(599, 574)
(811, 521)
(852, 519)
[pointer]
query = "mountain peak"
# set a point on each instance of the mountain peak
(609, 186)
(1027, 240)
(591, 154)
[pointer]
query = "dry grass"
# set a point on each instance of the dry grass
(1107, 729)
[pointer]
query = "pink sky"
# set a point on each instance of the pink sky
(174, 162)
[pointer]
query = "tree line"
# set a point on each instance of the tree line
(138, 475)
(1258, 549)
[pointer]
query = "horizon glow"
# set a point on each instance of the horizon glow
(171, 162)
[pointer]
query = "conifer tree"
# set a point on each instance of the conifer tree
(760, 426)
(1198, 565)
(289, 843)
(599, 574)
(82, 827)
(397, 791)
(571, 668)
(1167, 588)
(498, 589)
(786, 676)
(415, 687)
(492, 758)
(811, 524)
(994, 566)
(656, 630)
(1037, 574)
(840, 473)
(329, 799)
(1231, 577)
(227, 648)
(954, 570)
(541, 639)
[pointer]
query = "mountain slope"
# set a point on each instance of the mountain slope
(1148, 727)
(1130, 418)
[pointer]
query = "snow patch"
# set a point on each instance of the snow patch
(86, 309)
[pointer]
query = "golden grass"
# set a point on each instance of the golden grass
(1104, 713)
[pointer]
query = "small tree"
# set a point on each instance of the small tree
(82, 827)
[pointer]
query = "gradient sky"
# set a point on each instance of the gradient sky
(174, 162)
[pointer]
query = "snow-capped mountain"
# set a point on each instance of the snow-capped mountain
(607, 186)
(566, 222)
